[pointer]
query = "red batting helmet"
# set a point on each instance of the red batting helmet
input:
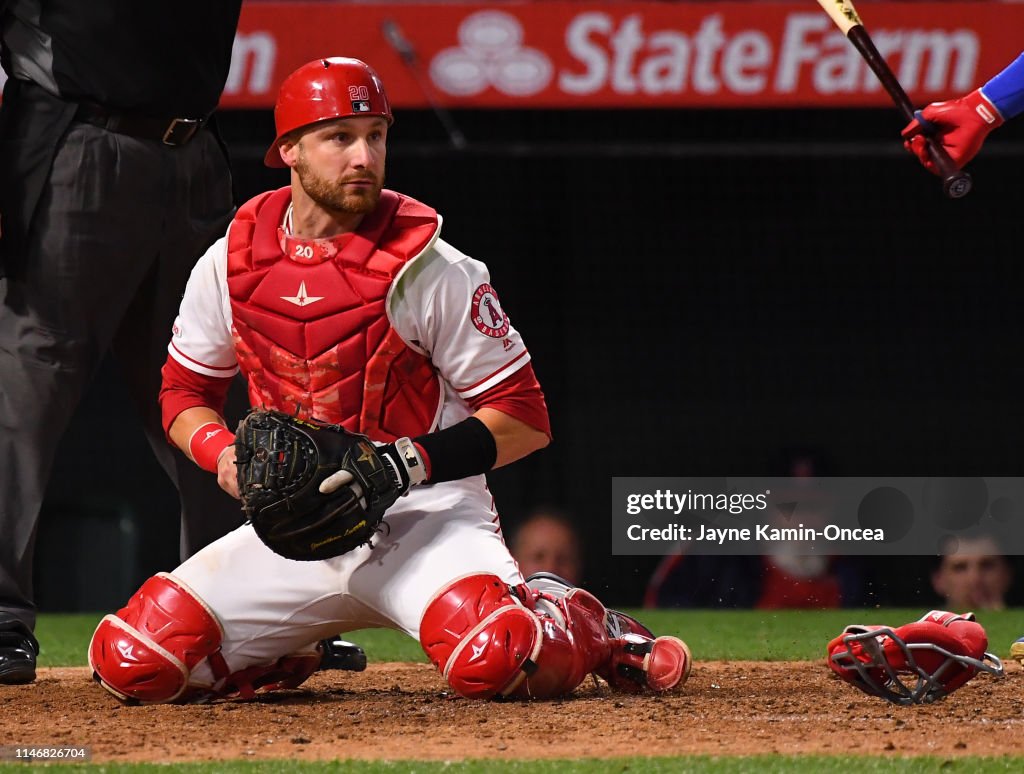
(325, 89)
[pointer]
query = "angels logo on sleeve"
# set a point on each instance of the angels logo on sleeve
(486, 313)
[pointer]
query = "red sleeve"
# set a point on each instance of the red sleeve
(183, 389)
(520, 397)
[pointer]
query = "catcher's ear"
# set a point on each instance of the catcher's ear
(289, 149)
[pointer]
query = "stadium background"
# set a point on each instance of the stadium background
(700, 289)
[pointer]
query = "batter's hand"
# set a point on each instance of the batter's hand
(227, 472)
(960, 125)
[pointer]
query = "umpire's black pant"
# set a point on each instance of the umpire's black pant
(99, 234)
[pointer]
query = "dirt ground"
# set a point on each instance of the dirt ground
(402, 711)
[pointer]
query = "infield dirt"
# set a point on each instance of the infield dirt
(402, 711)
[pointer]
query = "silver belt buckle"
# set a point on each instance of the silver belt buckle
(181, 130)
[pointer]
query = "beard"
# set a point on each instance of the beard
(332, 194)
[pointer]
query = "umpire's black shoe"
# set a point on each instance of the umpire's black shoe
(18, 651)
(339, 654)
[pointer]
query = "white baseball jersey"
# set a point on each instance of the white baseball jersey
(442, 306)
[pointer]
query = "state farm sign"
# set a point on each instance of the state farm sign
(575, 54)
(811, 54)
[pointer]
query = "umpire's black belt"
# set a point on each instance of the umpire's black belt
(170, 131)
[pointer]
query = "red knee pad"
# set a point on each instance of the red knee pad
(487, 643)
(481, 638)
(574, 644)
(608, 643)
(146, 652)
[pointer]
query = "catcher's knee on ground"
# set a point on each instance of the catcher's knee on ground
(148, 651)
(487, 643)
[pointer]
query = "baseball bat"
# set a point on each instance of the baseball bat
(401, 45)
(956, 183)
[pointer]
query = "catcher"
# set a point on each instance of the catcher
(383, 365)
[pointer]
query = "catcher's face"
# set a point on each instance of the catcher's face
(340, 164)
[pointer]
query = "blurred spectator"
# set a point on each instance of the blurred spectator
(683, 580)
(792, 581)
(547, 541)
(976, 577)
(789, 579)
(782, 580)
(763, 582)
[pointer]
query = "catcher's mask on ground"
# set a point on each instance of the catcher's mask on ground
(918, 667)
(336, 87)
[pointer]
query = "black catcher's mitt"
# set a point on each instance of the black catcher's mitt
(282, 462)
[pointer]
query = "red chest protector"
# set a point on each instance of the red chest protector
(312, 336)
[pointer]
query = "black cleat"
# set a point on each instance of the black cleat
(18, 651)
(340, 654)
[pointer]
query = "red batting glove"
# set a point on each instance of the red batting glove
(961, 126)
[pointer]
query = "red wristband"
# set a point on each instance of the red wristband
(207, 443)
(425, 456)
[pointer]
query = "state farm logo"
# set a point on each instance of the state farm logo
(491, 53)
(630, 56)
